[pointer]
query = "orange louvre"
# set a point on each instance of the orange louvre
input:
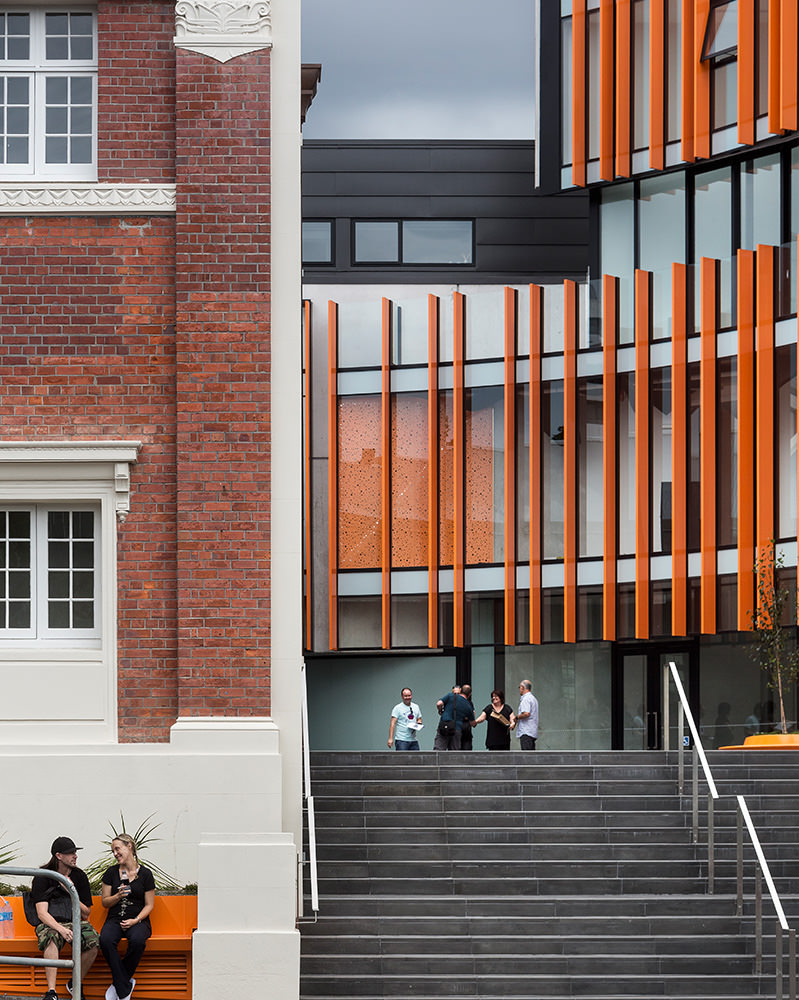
(747, 14)
(610, 300)
(579, 93)
(764, 374)
(510, 467)
(746, 436)
(458, 471)
(643, 316)
(570, 463)
(687, 58)
(788, 77)
(679, 452)
(707, 443)
(701, 82)
(623, 88)
(433, 519)
(774, 70)
(536, 337)
(657, 73)
(332, 472)
(385, 477)
(606, 73)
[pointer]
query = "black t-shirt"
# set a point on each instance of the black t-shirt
(143, 882)
(47, 890)
(497, 735)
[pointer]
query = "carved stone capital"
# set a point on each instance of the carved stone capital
(223, 29)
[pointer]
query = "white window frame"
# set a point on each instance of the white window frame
(39, 630)
(37, 69)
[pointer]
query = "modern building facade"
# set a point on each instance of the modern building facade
(568, 476)
(149, 290)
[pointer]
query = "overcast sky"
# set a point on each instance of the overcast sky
(420, 69)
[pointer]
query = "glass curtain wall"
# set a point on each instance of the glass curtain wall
(660, 451)
(640, 75)
(552, 466)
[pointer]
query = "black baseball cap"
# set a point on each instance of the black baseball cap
(64, 845)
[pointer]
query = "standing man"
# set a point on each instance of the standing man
(527, 717)
(456, 715)
(403, 715)
(466, 732)
(54, 910)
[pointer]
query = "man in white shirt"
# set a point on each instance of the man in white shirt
(403, 716)
(527, 717)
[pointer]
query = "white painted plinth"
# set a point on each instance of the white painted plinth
(247, 943)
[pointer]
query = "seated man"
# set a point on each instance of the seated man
(456, 715)
(54, 910)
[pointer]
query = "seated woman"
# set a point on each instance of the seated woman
(129, 896)
(500, 719)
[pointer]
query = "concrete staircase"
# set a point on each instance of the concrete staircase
(539, 875)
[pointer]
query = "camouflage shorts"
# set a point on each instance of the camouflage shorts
(89, 937)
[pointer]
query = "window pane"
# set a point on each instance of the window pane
(713, 232)
(19, 524)
(617, 243)
(80, 150)
(58, 524)
(80, 88)
(552, 468)
(83, 585)
(19, 585)
(661, 222)
(566, 91)
(674, 71)
(82, 614)
(58, 554)
(83, 524)
(58, 614)
(660, 448)
(58, 585)
(722, 29)
(56, 90)
(725, 95)
(594, 89)
(590, 438)
(17, 89)
(317, 242)
(625, 383)
(760, 201)
(437, 242)
(82, 555)
(19, 554)
(19, 614)
(376, 242)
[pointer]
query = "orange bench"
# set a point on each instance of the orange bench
(163, 974)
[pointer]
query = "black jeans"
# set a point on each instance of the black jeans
(122, 969)
(527, 742)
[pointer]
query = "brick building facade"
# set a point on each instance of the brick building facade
(149, 306)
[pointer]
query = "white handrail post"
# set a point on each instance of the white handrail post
(710, 845)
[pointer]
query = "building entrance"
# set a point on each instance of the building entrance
(644, 697)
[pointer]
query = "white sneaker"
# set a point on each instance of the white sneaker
(132, 986)
(111, 993)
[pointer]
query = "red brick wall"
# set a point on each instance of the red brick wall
(223, 357)
(136, 92)
(87, 350)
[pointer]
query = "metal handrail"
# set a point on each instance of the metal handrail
(60, 963)
(763, 871)
(306, 761)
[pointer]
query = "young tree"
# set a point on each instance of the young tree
(774, 600)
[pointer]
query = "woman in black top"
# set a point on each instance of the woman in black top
(129, 896)
(500, 720)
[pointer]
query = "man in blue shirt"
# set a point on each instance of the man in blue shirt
(403, 716)
(456, 715)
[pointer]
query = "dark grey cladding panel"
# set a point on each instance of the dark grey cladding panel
(517, 230)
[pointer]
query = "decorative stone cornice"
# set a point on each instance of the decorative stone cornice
(223, 29)
(43, 198)
(121, 453)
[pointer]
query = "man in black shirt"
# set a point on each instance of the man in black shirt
(54, 910)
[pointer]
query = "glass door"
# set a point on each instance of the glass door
(645, 699)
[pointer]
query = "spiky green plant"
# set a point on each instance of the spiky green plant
(9, 852)
(143, 838)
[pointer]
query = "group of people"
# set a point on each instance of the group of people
(457, 720)
(128, 897)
